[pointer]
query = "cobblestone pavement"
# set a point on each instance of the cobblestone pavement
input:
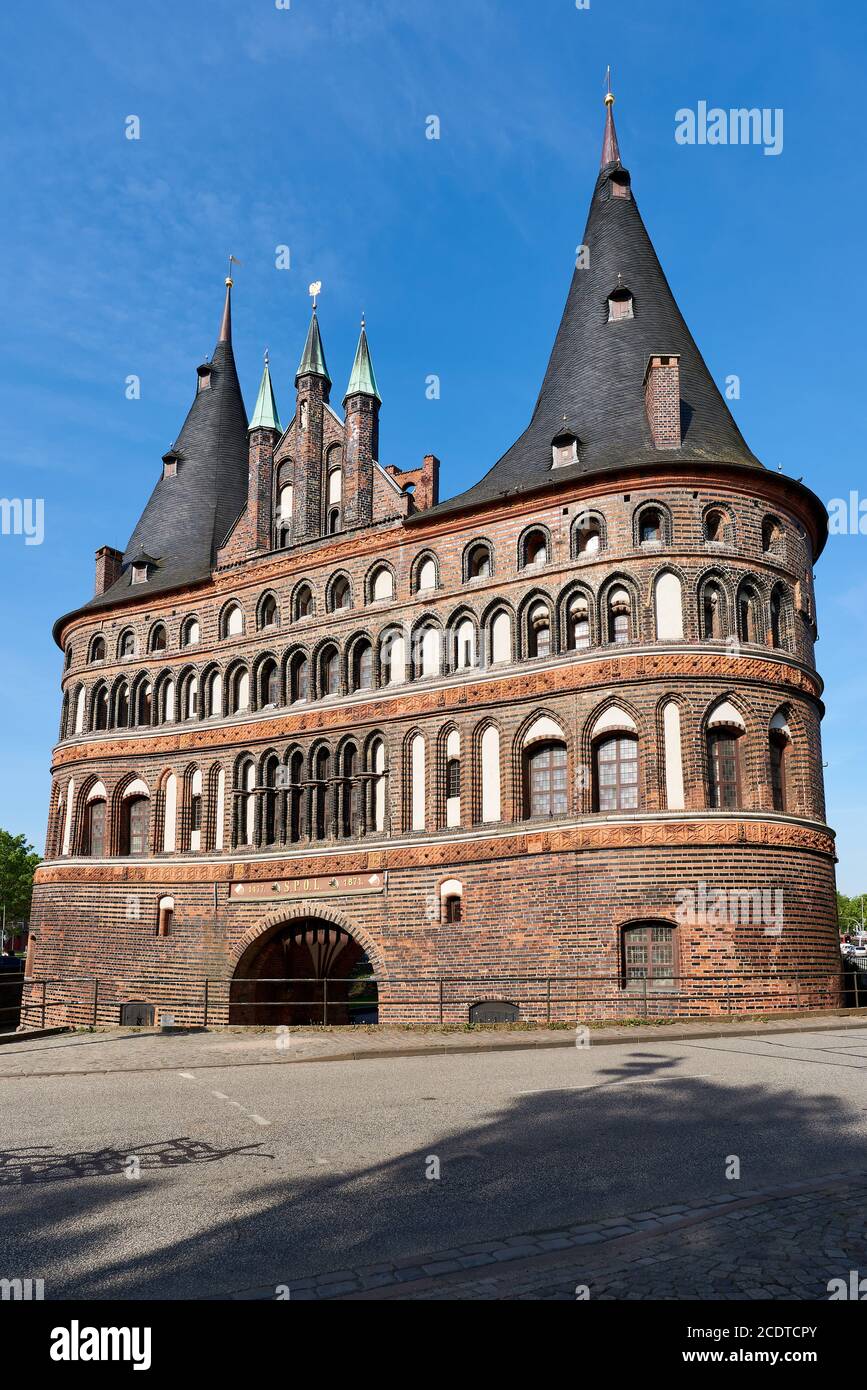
(784, 1244)
(120, 1050)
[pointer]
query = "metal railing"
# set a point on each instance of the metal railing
(441, 998)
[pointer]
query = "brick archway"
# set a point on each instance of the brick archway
(307, 967)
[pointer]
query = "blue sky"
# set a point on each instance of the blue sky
(305, 127)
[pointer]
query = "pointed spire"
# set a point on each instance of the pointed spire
(362, 382)
(226, 325)
(265, 415)
(313, 359)
(610, 147)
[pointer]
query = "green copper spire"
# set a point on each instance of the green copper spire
(363, 379)
(265, 415)
(313, 360)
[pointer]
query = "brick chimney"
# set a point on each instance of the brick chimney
(108, 562)
(662, 399)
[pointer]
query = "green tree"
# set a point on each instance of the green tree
(849, 912)
(18, 862)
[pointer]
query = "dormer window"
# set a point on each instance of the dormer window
(620, 303)
(204, 374)
(564, 449)
(170, 464)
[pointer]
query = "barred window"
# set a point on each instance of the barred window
(648, 957)
(725, 774)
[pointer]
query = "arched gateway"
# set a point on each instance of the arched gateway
(304, 971)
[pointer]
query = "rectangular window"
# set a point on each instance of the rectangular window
(617, 775)
(96, 829)
(724, 771)
(648, 956)
(548, 781)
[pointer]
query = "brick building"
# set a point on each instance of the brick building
(554, 742)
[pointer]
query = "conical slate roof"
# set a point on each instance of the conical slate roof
(313, 358)
(189, 513)
(595, 376)
(362, 380)
(265, 415)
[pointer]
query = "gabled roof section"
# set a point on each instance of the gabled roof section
(190, 512)
(595, 376)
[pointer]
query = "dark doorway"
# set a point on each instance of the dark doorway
(301, 973)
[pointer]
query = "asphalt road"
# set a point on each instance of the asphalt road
(209, 1180)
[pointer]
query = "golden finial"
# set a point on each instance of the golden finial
(609, 95)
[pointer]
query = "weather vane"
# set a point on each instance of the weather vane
(315, 290)
(233, 260)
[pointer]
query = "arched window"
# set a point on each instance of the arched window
(376, 764)
(650, 526)
(190, 632)
(340, 594)
(247, 803)
(158, 639)
(349, 792)
(97, 650)
(772, 534)
(478, 561)
(713, 612)
(418, 782)
(362, 666)
(425, 574)
(780, 742)
(648, 957)
(587, 536)
(578, 623)
(427, 643)
(239, 690)
(121, 706)
(284, 516)
(724, 766)
(126, 643)
(779, 616)
(268, 614)
(94, 828)
(67, 656)
(381, 584)
(296, 775)
(189, 696)
(195, 785)
(303, 603)
(99, 708)
(668, 605)
(321, 797)
(538, 631)
(501, 638)
(616, 773)
(534, 549)
(214, 695)
(749, 611)
(135, 821)
(452, 778)
(546, 779)
(232, 621)
(715, 525)
(392, 657)
(490, 769)
(619, 616)
(299, 678)
(144, 703)
(465, 645)
(329, 671)
(269, 684)
(269, 800)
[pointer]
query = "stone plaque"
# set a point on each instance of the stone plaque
(494, 1011)
(326, 886)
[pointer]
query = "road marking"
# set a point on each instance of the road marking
(187, 1075)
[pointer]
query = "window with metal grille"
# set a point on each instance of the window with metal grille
(725, 777)
(547, 786)
(453, 778)
(648, 957)
(95, 843)
(196, 813)
(453, 909)
(617, 774)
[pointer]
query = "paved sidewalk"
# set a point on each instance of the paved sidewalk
(784, 1243)
(73, 1054)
